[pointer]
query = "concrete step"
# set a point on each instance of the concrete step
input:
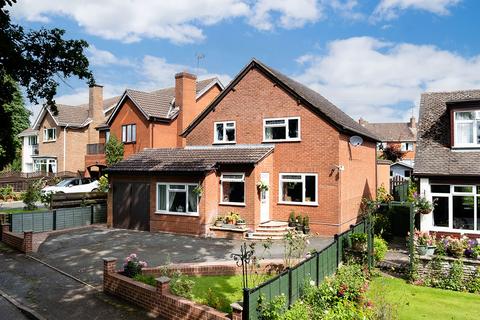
(274, 224)
(265, 237)
(276, 230)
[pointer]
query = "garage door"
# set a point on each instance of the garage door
(131, 203)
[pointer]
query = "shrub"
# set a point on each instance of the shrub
(147, 279)
(32, 194)
(214, 300)
(6, 192)
(473, 284)
(392, 153)
(113, 150)
(133, 265)
(103, 183)
(454, 280)
(181, 285)
(380, 248)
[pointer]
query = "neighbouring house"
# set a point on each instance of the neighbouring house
(264, 129)
(401, 134)
(401, 169)
(383, 173)
(57, 142)
(447, 160)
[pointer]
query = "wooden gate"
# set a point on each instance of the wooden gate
(131, 206)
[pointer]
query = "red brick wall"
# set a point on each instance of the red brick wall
(23, 243)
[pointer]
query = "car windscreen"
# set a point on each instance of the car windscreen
(64, 183)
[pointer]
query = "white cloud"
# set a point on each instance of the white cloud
(291, 14)
(129, 21)
(389, 9)
(370, 78)
(100, 57)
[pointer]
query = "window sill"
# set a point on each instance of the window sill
(226, 142)
(236, 204)
(283, 140)
(184, 214)
(466, 148)
(131, 142)
(308, 204)
(48, 141)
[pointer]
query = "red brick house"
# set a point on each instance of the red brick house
(154, 119)
(264, 127)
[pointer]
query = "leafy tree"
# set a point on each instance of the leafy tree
(35, 60)
(393, 153)
(113, 151)
(16, 120)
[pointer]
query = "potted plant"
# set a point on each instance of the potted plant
(262, 186)
(431, 244)
(232, 217)
(359, 241)
(219, 221)
(250, 233)
(291, 219)
(422, 205)
(306, 225)
(456, 247)
(198, 190)
(299, 223)
(241, 222)
(421, 242)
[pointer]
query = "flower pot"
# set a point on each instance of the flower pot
(306, 229)
(431, 250)
(422, 250)
(292, 224)
(218, 223)
(424, 211)
(299, 227)
(240, 225)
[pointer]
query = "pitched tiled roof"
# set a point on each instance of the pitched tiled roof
(433, 154)
(159, 103)
(331, 112)
(392, 131)
(191, 159)
(28, 132)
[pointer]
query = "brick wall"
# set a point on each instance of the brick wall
(157, 299)
(22, 242)
(469, 266)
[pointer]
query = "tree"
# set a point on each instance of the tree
(16, 120)
(113, 151)
(393, 153)
(36, 60)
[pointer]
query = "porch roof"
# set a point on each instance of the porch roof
(192, 158)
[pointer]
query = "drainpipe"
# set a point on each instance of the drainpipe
(65, 146)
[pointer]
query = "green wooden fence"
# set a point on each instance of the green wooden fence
(290, 282)
(58, 219)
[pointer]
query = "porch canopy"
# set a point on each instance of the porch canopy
(191, 158)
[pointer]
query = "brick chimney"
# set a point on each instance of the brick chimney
(413, 123)
(362, 121)
(95, 111)
(185, 100)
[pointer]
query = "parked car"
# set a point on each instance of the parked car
(73, 185)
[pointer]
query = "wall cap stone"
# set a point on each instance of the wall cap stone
(109, 259)
(163, 279)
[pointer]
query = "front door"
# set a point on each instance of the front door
(265, 198)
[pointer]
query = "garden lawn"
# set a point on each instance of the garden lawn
(416, 302)
(21, 210)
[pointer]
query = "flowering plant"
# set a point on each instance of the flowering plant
(424, 238)
(421, 204)
(262, 186)
(133, 265)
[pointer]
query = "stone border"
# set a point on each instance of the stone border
(469, 266)
(158, 299)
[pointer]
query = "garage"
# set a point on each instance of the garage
(131, 201)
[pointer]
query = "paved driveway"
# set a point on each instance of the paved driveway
(80, 252)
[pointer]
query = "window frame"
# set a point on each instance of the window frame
(303, 175)
(45, 134)
(224, 123)
(222, 179)
(30, 138)
(286, 125)
(476, 125)
(167, 199)
(38, 162)
(404, 146)
(133, 132)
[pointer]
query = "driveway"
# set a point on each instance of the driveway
(80, 252)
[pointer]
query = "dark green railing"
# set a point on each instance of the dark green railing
(320, 265)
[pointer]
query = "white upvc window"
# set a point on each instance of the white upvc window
(456, 207)
(281, 129)
(298, 188)
(49, 134)
(32, 140)
(177, 198)
(466, 130)
(129, 133)
(45, 165)
(407, 146)
(232, 189)
(224, 132)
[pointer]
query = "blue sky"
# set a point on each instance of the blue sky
(371, 58)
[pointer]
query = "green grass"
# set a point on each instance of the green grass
(21, 210)
(416, 302)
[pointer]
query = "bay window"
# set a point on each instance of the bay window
(466, 128)
(45, 165)
(224, 132)
(232, 189)
(298, 188)
(281, 129)
(177, 198)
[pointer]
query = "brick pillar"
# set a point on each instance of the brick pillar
(237, 311)
(5, 228)
(27, 246)
(163, 285)
(109, 265)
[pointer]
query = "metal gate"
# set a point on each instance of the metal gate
(131, 205)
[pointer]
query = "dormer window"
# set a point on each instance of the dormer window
(467, 128)
(224, 132)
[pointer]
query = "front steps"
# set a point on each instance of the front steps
(274, 230)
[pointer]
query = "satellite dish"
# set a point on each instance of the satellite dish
(356, 141)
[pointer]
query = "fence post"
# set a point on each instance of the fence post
(289, 286)
(91, 214)
(54, 227)
(246, 304)
(410, 240)
(335, 237)
(368, 225)
(318, 268)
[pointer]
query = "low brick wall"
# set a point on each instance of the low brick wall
(157, 299)
(22, 242)
(237, 234)
(469, 266)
